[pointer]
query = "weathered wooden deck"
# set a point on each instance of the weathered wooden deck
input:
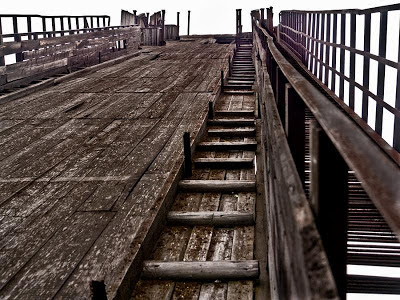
(86, 164)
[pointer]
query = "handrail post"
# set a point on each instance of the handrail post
(210, 110)
(230, 66)
(188, 155)
(328, 195)
(177, 24)
(222, 80)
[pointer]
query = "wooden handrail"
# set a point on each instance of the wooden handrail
(378, 174)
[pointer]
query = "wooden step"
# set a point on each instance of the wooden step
(201, 270)
(238, 87)
(217, 186)
(223, 163)
(232, 132)
(234, 113)
(231, 122)
(230, 81)
(211, 218)
(238, 92)
(227, 146)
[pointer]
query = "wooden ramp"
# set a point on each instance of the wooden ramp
(86, 167)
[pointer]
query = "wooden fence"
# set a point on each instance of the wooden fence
(44, 54)
(154, 30)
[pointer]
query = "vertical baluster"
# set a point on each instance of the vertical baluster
(381, 72)
(396, 132)
(62, 25)
(327, 48)
(17, 38)
(352, 59)
(334, 41)
(29, 24)
(342, 54)
(2, 61)
(53, 25)
(312, 42)
(321, 50)
(317, 35)
(367, 48)
(308, 40)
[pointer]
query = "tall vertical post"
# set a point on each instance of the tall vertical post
(134, 17)
(62, 25)
(2, 61)
(162, 41)
(177, 24)
(262, 14)
(210, 110)
(188, 155)
(230, 66)
(29, 23)
(17, 38)
(188, 31)
(328, 194)
(238, 21)
(222, 80)
(270, 16)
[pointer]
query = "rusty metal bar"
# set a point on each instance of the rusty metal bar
(342, 54)
(327, 48)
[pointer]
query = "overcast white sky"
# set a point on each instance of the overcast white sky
(207, 16)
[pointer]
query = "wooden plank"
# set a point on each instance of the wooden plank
(217, 185)
(211, 218)
(239, 132)
(226, 146)
(223, 163)
(202, 270)
(231, 122)
(62, 253)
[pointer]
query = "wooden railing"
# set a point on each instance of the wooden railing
(47, 53)
(336, 147)
(321, 41)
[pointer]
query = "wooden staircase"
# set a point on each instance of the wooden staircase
(206, 251)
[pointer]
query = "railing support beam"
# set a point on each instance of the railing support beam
(328, 194)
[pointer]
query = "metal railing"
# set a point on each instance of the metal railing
(336, 47)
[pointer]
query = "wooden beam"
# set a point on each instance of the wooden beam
(231, 122)
(217, 186)
(235, 113)
(223, 163)
(329, 177)
(211, 218)
(188, 154)
(227, 146)
(232, 132)
(201, 270)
